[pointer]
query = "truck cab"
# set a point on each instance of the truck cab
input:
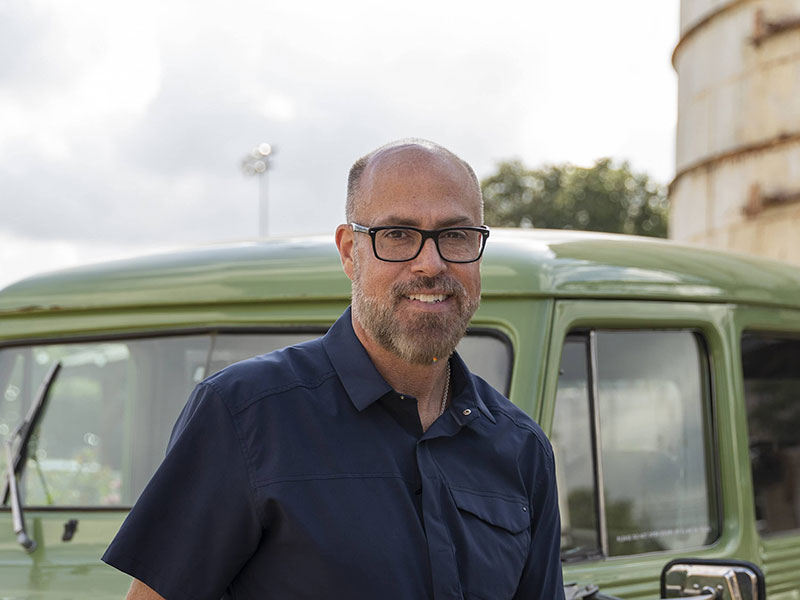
(666, 377)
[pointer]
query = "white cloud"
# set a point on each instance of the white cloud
(125, 124)
(94, 69)
(278, 107)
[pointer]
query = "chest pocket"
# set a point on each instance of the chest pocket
(491, 543)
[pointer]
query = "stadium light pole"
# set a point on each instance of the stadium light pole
(257, 162)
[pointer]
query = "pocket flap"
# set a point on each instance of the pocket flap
(511, 515)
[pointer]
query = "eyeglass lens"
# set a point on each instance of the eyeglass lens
(403, 244)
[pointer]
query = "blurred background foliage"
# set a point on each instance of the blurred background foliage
(604, 197)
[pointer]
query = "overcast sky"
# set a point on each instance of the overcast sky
(123, 125)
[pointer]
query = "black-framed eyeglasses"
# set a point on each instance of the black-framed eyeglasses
(400, 244)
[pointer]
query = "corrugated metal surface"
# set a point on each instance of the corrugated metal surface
(738, 134)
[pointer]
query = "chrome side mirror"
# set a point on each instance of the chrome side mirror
(712, 580)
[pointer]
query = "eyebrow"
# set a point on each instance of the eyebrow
(407, 222)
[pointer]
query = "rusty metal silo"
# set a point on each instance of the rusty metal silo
(737, 182)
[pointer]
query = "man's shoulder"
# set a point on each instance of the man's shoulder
(510, 416)
(304, 365)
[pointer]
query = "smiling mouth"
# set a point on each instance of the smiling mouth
(428, 298)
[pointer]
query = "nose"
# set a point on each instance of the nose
(428, 262)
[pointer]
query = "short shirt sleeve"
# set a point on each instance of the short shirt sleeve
(196, 523)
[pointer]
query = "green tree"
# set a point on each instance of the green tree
(605, 197)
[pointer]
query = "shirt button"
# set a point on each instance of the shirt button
(467, 412)
(402, 397)
(524, 509)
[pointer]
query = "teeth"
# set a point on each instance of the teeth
(430, 298)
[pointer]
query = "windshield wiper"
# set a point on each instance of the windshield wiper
(15, 464)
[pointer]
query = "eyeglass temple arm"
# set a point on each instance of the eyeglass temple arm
(359, 228)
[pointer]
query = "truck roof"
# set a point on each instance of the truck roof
(520, 262)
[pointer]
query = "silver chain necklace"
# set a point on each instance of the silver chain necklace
(446, 390)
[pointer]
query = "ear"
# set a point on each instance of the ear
(344, 242)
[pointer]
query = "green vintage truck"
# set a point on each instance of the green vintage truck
(667, 377)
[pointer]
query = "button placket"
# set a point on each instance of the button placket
(444, 569)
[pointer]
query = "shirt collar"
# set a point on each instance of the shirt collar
(364, 385)
(465, 394)
(353, 365)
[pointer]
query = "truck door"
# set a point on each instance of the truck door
(638, 403)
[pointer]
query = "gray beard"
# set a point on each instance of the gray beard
(423, 338)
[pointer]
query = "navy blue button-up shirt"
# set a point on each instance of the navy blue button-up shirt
(302, 474)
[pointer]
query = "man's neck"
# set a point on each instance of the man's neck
(424, 382)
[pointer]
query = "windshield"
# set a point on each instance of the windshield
(113, 404)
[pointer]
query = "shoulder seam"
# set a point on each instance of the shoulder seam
(271, 391)
(538, 434)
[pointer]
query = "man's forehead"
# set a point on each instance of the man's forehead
(426, 183)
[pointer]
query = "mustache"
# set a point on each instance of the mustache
(422, 285)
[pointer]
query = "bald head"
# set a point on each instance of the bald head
(403, 158)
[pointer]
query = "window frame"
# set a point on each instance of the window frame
(780, 333)
(710, 324)
(589, 337)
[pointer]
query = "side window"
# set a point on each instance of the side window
(489, 356)
(572, 441)
(771, 368)
(633, 441)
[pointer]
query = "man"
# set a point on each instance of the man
(368, 463)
